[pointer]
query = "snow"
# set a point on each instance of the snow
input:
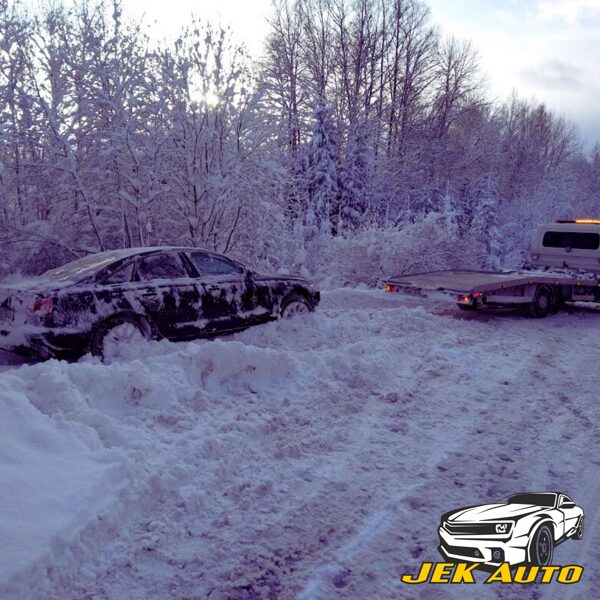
(58, 484)
(309, 458)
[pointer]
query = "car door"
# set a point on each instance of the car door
(570, 512)
(168, 294)
(113, 289)
(228, 299)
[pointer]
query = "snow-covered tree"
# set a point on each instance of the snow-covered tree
(354, 180)
(485, 223)
(322, 178)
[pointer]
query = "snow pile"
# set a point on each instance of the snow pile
(60, 488)
(308, 458)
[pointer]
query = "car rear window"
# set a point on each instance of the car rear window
(81, 268)
(207, 264)
(577, 240)
(161, 266)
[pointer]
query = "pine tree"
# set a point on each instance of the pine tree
(354, 180)
(485, 222)
(322, 177)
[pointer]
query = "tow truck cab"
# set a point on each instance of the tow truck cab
(567, 244)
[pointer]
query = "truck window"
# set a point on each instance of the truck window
(577, 240)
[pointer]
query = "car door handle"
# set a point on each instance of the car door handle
(149, 294)
(213, 288)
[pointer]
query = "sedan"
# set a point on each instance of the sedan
(96, 303)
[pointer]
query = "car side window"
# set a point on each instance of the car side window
(123, 275)
(207, 264)
(160, 266)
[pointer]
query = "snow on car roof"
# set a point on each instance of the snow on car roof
(81, 268)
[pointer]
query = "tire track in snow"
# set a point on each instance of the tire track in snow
(532, 440)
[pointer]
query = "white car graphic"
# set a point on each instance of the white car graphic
(523, 528)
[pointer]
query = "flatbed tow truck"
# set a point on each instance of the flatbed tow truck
(563, 266)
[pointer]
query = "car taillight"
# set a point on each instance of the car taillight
(389, 287)
(41, 306)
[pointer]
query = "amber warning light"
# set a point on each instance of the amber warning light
(581, 221)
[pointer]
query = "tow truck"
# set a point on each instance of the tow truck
(563, 265)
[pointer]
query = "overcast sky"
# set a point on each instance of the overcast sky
(544, 49)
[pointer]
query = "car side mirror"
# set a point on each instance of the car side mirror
(568, 505)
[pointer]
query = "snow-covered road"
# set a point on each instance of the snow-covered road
(308, 459)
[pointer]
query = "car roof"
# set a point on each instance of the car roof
(538, 492)
(120, 253)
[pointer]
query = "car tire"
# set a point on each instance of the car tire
(294, 305)
(541, 546)
(542, 304)
(122, 328)
(578, 535)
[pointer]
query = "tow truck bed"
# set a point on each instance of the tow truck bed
(563, 266)
(537, 289)
(468, 282)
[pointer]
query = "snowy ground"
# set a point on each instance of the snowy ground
(305, 459)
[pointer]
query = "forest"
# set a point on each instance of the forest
(361, 142)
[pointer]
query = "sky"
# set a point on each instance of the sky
(545, 50)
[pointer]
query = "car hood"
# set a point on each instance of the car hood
(492, 512)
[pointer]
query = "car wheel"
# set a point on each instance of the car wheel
(542, 303)
(113, 335)
(293, 306)
(541, 547)
(578, 535)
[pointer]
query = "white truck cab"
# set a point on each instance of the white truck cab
(568, 245)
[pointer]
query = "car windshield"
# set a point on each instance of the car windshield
(537, 499)
(81, 268)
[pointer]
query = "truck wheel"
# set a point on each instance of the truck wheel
(542, 303)
(541, 547)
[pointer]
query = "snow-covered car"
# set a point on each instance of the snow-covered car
(98, 302)
(523, 528)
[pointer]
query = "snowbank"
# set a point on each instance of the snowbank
(310, 458)
(59, 486)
